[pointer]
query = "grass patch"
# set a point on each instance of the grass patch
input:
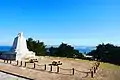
(109, 66)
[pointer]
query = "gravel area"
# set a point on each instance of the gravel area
(105, 71)
(38, 73)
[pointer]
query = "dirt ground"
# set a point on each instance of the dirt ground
(65, 72)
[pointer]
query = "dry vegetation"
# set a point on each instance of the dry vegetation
(108, 72)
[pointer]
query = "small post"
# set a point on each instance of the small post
(17, 62)
(7, 61)
(73, 71)
(10, 62)
(45, 66)
(34, 65)
(94, 68)
(25, 64)
(21, 63)
(51, 68)
(57, 69)
(4, 60)
(91, 73)
(98, 64)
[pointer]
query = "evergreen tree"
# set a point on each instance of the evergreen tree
(36, 46)
(65, 50)
(107, 53)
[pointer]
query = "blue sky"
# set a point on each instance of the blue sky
(76, 22)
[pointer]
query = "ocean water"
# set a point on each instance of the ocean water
(82, 49)
(85, 49)
(5, 48)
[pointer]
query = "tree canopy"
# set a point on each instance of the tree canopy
(65, 50)
(107, 53)
(36, 46)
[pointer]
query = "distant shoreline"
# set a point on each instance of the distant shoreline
(83, 49)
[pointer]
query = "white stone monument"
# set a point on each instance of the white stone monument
(20, 48)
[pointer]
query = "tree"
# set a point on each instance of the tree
(53, 51)
(65, 50)
(107, 53)
(36, 46)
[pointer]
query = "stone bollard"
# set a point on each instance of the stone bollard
(45, 67)
(57, 69)
(73, 71)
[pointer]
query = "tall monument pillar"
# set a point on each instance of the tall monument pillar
(19, 47)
